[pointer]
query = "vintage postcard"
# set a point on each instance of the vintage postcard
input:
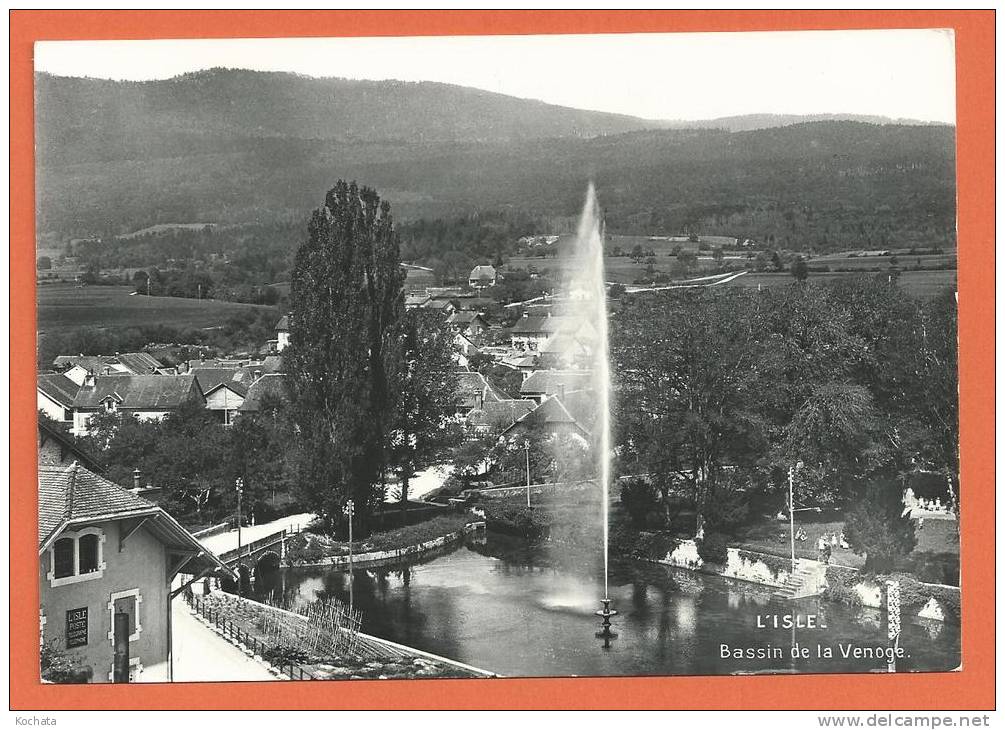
(447, 356)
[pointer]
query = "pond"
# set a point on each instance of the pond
(499, 604)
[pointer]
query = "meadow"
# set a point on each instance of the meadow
(65, 306)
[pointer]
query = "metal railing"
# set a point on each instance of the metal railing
(238, 635)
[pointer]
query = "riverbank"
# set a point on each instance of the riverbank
(844, 584)
(313, 550)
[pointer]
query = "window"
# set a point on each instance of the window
(109, 406)
(76, 557)
(88, 545)
(62, 557)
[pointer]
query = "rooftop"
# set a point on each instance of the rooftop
(269, 385)
(58, 387)
(73, 495)
(144, 392)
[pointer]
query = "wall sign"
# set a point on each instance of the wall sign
(76, 627)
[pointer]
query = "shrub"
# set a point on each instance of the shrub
(58, 668)
(877, 527)
(279, 655)
(712, 548)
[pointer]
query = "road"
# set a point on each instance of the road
(202, 655)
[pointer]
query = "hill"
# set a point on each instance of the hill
(240, 147)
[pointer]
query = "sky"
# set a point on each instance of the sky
(906, 74)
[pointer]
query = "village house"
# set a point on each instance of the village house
(283, 333)
(551, 417)
(55, 394)
(107, 559)
(58, 448)
(482, 277)
(530, 333)
(469, 324)
(147, 397)
(269, 387)
(473, 392)
(225, 389)
(494, 417)
(77, 367)
(541, 384)
(416, 301)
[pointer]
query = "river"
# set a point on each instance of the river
(499, 604)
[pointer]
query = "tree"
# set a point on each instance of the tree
(638, 253)
(347, 303)
(878, 527)
(833, 438)
(690, 366)
(799, 270)
(425, 426)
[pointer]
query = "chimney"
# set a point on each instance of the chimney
(479, 400)
(258, 374)
(89, 379)
(561, 391)
(137, 474)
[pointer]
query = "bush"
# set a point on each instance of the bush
(530, 523)
(280, 655)
(713, 548)
(877, 527)
(58, 668)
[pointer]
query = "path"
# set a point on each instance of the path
(225, 541)
(201, 655)
(422, 483)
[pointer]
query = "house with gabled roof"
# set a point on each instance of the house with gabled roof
(147, 397)
(107, 559)
(468, 323)
(551, 417)
(271, 386)
(78, 367)
(282, 333)
(473, 391)
(57, 447)
(225, 389)
(482, 277)
(55, 394)
(497, 416)
(543, 383)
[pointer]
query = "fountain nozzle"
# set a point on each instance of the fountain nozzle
(606, 633)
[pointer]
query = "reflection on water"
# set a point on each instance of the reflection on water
(500, 605)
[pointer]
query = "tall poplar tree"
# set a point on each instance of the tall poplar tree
(345, 341)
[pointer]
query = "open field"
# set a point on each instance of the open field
(623, 270)
(925, 284)
(66, 307)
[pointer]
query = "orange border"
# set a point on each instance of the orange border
(971, 688)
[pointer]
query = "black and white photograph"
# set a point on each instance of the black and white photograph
(498, 356)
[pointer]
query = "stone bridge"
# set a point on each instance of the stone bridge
(266, 553)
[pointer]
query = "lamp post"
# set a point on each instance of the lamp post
(348, 510)
(792, 517)
(239, 486)
(526, 448)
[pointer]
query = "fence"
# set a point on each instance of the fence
(236, 634)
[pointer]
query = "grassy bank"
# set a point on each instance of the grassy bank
(310, 547)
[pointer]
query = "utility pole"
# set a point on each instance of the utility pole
(526, 448)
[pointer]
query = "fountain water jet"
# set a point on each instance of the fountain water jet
(587, 291)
